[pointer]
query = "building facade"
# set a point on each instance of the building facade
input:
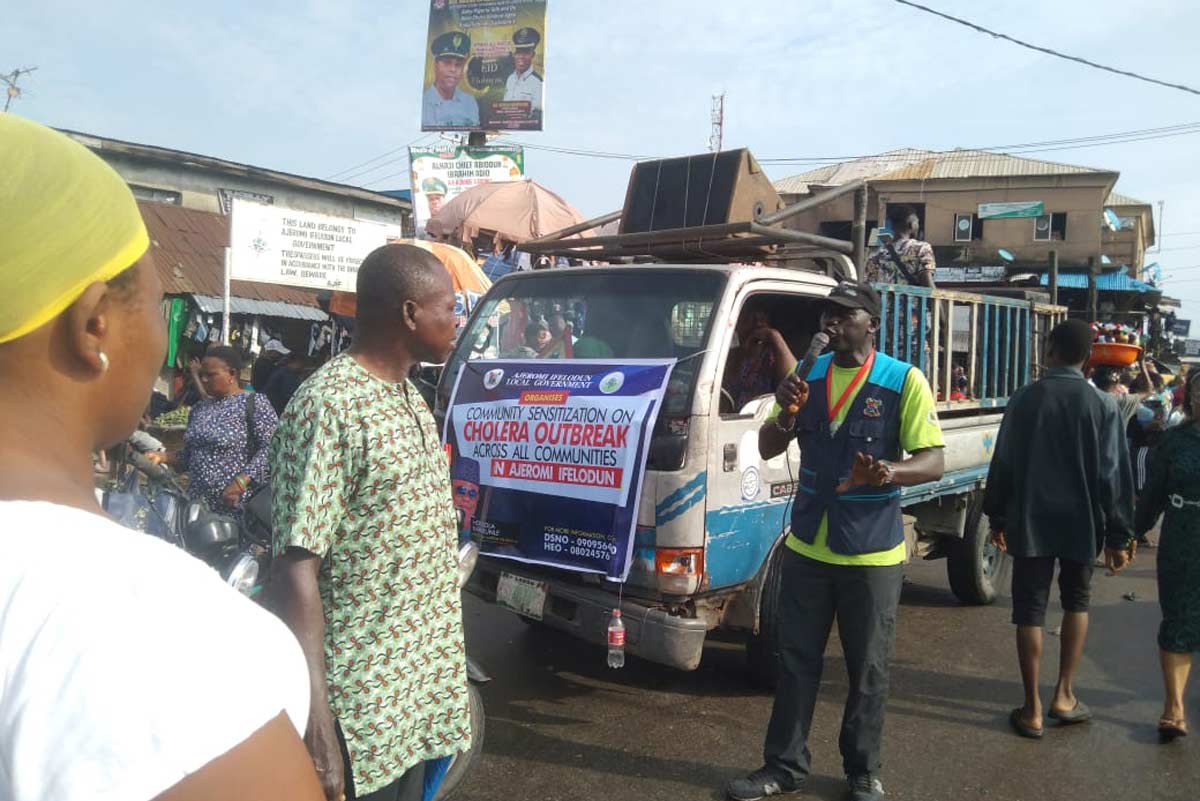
(953, 193)
(205, 183)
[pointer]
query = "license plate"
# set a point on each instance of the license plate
(523, 596)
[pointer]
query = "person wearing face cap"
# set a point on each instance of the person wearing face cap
(108, 650)
(444, 104)
(524, 83)
(272, 356)
(853, 415)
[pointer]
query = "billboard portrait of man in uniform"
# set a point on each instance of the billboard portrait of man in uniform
(434, 190)
(525, 83)
(444, 104)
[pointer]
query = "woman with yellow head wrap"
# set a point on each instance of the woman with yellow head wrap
(109, 639)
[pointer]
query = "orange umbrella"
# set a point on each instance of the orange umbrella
(464, 274)
(516, 210)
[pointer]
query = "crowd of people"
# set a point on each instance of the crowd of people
(361, 636)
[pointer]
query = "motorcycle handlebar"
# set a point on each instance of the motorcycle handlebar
(155, 472)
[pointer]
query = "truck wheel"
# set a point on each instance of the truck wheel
(762, 649)
(974, 565)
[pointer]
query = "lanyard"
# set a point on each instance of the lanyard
(854, 382)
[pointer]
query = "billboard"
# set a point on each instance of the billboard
(275, 245)
(485, 66)
(1180, 328)
(548, 458)
(1003, 211)
(441, 174)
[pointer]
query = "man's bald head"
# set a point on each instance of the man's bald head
(394, 274)
(406, 300)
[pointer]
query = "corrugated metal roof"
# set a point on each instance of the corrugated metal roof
(179, 159)
(264, 308)
(188, 246)
(1117, 199)
(913, 164)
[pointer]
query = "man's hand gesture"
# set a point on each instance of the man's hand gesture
(791, 395)
(999, 540)
(867, 471)
(1117, 559)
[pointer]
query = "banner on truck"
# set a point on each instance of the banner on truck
(548, 458)
(485, 66)
(441, 174)
(275, 245)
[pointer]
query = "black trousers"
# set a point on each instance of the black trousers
(863, 600)
(408, 787)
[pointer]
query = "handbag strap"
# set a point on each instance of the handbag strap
(251, 437)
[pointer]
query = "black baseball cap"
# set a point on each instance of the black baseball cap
(850, 295)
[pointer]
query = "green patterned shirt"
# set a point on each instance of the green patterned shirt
(361, 480)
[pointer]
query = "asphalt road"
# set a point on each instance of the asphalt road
(562, 725)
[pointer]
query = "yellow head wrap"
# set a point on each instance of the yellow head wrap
(67, 220)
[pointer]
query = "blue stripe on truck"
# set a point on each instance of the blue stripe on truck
(681, 499)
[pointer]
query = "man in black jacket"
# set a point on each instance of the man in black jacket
(1059, 488)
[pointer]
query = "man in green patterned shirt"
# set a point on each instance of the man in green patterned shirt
(365, 538)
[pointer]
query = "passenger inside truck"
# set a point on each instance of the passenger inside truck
(772, 333)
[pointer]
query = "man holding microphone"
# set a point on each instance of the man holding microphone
(855, 414)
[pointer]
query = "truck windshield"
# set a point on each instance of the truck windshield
(601, 315)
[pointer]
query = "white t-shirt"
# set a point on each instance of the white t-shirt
(125, 663)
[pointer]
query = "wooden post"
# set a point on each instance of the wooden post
(1053, 278)
(1093, 296)
(858, 230)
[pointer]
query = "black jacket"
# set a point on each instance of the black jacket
(1060, 482)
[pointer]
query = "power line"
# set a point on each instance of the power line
(341, 174)
(1046, 146)
(1049, 51)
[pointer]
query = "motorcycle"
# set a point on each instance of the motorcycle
(160, 507)
(462, 762)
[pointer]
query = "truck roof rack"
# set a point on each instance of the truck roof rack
(710, 208)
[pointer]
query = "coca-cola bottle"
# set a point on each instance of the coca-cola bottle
(616, 640)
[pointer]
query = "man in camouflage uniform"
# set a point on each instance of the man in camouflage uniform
(899, 241)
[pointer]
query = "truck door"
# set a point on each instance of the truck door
(749, 499)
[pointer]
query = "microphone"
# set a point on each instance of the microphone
(819, 342)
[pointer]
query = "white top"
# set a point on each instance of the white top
(525, 85)
(125, 663)
(462, 109)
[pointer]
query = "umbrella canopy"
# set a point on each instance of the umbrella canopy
(464, 274)
(516, 210)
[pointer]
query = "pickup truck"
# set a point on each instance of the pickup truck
(713, 514)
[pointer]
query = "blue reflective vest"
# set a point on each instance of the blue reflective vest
(865, 519)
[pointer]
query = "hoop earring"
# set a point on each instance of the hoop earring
(103, 357)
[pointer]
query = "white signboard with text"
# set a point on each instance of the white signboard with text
(275, 245)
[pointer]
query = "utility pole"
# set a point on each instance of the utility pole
(718, 123)
(10, 81)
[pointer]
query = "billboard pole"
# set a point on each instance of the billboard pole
(227, 302)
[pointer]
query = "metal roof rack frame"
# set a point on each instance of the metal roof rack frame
(763, 239)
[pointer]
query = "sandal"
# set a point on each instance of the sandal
(1022, 728)
(1170, 729)
(1079, 714)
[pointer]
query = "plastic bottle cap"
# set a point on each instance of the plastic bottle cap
(616, 613)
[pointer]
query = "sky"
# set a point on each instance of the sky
(315, 87)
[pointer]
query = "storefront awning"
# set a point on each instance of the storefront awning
(1106, 282)
(261, 308)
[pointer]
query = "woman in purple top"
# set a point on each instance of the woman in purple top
(224, 458)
